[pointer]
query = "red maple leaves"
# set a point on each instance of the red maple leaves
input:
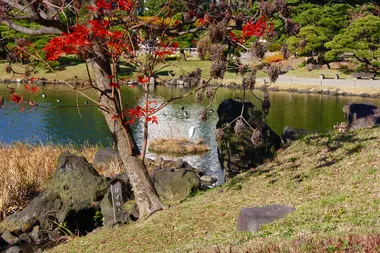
(139, 112)
(74, 42)
(257, 29)
(166, 49)
(31, 89)
(16, 98)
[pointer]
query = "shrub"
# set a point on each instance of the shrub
(274, 58)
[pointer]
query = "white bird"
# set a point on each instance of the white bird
(58, 100)
(86, 102)
(191, 132)
(43, 95)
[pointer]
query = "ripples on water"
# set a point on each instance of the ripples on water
(54, 122)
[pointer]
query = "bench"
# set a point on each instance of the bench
(364, 75)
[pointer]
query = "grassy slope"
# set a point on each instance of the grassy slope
(333, 181)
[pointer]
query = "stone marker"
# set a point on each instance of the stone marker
(251, 218)
(117, 200)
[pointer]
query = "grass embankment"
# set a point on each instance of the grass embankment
(25, 170)
(179, 146)
(332, 180)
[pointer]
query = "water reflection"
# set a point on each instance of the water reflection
(60, 122)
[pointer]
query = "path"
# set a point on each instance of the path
(347, 83)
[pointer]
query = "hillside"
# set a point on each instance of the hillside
(332, 180)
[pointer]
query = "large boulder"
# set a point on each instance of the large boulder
(78, 185)
(237, 153)
(250, 219)
(173, 180)
(175, 184)
(361, 115)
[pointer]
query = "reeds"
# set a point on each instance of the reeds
(26, 169)
(178, 146)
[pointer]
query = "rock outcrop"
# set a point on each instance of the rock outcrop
(361, 115)
(80, 199)
(237, 153)
(71, 198)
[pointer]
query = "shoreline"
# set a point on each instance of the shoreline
(332, 90)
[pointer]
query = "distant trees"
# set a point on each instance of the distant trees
(329, 29)
(361, 40)
(319, 25)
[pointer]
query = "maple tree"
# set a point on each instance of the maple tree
(108, 32)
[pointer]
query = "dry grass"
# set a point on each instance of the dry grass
(332, 180)
(178, 146)
(26, 169)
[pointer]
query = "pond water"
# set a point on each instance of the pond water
(60, 122)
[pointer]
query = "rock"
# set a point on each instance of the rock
(290, 134)
(365, 95)
(74, 177)
(175, 184)
(361, 115)
(237, 153)
(251, 218)
(179, 163)
(105, 156)
(25, 238)
(23, 221)
(9, 238)
(14, 250)
(375, 95)
(159, 162)
(208, 179)
(35, 235)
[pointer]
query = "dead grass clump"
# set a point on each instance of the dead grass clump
(26, 169)
(178, 146)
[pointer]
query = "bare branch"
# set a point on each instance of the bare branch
(29, 31)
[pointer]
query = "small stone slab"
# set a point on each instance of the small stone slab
(251, 218)
(117, 200)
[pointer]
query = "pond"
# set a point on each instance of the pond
(57, 119)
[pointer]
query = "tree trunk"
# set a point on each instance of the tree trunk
(146, 196)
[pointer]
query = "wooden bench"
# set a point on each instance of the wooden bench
(364, 75)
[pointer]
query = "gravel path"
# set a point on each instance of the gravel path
(348, 83)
